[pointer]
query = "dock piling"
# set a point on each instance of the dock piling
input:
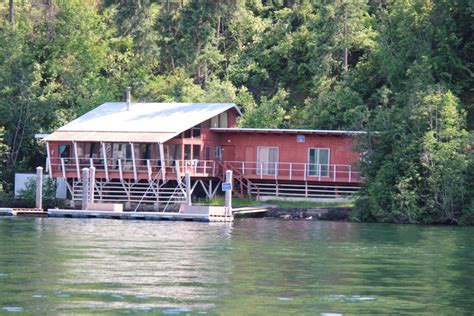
(228, 194)
(39, 188)
(85, 188)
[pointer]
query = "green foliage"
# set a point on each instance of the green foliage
(27, 196)
(401, 70)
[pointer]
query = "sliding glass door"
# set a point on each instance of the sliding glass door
(267, 161)
(318, 162)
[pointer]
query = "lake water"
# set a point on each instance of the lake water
(250, 267)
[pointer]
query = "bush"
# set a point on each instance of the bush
(27, 196)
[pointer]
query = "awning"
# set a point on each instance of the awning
(118, 137)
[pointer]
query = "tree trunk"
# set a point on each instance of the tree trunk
(11, 15)
(50, 19)
(346, 50)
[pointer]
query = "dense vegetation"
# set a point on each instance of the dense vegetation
(401, 70)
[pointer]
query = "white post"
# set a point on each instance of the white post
(334, 173)
(205, 167)
(91, 162)
(104, 156)
(228, 194)
(178, 173)
(148, 166)
(134, 164)
(350, 173)
(213, 168)
(304, 172)
(163, 161)
(48, 159)
(76, 156)
(319, 172)
(39, 187)
(91, 184)
(119, 161)
(85, 187)
(261, 170)
(63, 168)
(187, 181)
(291, 169)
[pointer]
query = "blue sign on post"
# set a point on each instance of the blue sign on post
(226, 186)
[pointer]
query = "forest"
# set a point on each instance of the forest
(401, 70)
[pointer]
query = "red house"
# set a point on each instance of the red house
(142, 150)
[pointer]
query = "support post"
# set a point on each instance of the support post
(76, 157)
(85, 187)
(334, 174)
(350, 173)
(63, 168)
(148, 167)
(163, 161)
(228, 194)
(39, 187)
(119, 161)
(134, 163)
(104, 157)
(91, 184)
(187, 181)
(48, 159)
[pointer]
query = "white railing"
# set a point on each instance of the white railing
(197, 167)
(297, 171)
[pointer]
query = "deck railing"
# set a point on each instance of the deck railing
(150, 168)
(297, 171)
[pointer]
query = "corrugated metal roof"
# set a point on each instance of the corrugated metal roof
(146, 117)
(287, 131)
(134, 137)
(142, 122)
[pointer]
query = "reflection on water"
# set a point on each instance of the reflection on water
(254, 266)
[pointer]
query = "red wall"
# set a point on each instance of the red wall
(341, 147)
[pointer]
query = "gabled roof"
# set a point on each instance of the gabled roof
(156, 121)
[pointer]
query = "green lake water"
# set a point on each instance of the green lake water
(250, 267)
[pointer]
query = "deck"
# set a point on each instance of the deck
(150, 169)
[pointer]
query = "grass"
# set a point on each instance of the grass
(238, 202)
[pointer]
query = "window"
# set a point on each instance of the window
(223, 120)
(187, 133)
(187, 152)
(207, 153)
(217, 152)
(174, 152)
(318, 162)
(215, 121)
(206, 124)
(267, 161)
(196, 132)
(196, 152)
(64, 151)
(128, 152)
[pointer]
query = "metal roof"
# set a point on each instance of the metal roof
(119, 137)
(286, 131)
(162, 118)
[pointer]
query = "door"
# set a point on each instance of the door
(318, 162)
(267, 161)
(228, 153)
(249, 166)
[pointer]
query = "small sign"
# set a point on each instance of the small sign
(300, 138)
(226, 186)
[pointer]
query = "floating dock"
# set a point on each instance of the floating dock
(152, 216)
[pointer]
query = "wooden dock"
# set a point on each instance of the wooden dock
(152, 216)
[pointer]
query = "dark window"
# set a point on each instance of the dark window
(196, 152)
(128, 151)
(196, 132)
(207, 153)
(187, 152)
(64, 151)
(187, 134)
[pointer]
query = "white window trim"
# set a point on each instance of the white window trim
(329, 163)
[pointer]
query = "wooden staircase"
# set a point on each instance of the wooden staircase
(241, 183)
